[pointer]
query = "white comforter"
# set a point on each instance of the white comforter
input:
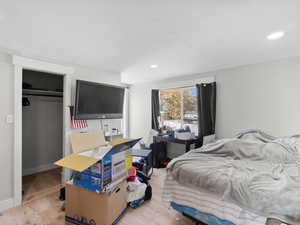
(260, 176)
(208, 203)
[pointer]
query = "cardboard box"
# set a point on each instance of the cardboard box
(96, 164)
(112, 168)
(84, 207)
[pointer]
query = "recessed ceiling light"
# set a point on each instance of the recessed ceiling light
(275, 35)
(153, 66)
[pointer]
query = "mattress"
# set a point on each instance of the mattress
(208, 204)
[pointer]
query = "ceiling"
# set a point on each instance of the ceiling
(181, 37)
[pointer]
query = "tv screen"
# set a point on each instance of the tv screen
(98, 101)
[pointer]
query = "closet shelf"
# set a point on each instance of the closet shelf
(42, 93)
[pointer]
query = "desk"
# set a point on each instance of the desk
(167, 139)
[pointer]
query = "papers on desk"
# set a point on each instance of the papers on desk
(184, 135)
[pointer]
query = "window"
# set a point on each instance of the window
(178, 108)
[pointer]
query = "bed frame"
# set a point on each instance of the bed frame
(200, 217)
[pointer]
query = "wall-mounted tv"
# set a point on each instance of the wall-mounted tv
(98, 101)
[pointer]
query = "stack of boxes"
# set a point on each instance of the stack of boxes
(96, 194)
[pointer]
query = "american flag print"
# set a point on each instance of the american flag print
(78, 124)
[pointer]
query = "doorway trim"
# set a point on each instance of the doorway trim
(21, 63)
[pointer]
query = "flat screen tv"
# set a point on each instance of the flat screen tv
(98, 101)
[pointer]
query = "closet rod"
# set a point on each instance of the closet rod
(56, 96)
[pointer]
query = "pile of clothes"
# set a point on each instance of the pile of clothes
(139, 189)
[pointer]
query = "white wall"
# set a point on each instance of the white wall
(7, 107)
(6, 130)
(139, 111)
(264, 96)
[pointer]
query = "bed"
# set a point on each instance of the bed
(245, 180)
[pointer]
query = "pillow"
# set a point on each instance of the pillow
(209, 139)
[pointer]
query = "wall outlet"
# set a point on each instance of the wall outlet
(9, 119)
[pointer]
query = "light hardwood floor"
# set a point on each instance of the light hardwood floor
(41, 184)
(45, 209)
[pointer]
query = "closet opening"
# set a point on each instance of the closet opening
(42, 133)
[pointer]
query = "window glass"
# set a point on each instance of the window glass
(190, 113)
(178, 108)
(170, 108)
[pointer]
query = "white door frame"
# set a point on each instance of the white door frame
(21, 63)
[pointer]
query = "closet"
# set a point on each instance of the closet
(42, 132)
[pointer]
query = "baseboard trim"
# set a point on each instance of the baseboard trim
(38, 169)
(6, 204)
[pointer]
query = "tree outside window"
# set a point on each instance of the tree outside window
(178, 108)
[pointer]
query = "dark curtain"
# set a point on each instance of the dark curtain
(206, 99)
(155, 109)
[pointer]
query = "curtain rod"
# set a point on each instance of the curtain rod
(183, 83)
(177, 87)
